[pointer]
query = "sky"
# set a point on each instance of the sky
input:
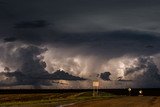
(42, 41)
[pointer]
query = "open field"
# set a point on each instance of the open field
(48, 99)
(79, 98)
(125, 101)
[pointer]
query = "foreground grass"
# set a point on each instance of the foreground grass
(122, 101)
(53, 99)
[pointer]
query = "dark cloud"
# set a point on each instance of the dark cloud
(144, 72)
(6, 69)
(32, 70)
(10, 39)
(62, 75)
(31, 24)
(81, 29)
(105, 76)
(2, 2)
(23, 78)
(112, 44)
(85, 16)
(149, 46)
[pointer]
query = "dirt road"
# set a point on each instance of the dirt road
(137, 101)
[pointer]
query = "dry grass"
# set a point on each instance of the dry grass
(50, 98)
(83, 99)
(145, 101)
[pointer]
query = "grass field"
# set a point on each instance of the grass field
(48, 99)
(123, 101)
(77, 99)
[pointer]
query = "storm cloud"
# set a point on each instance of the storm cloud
(105, 43)
(31, 24)
(30, 69)
(80, 38)
(144, 72)
(105, 76)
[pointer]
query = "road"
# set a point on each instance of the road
(132, 101)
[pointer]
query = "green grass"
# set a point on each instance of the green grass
(51, 98)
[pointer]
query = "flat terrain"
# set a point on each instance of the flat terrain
(48, 99)
(125, 101)
(78, 98)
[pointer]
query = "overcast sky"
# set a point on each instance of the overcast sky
(82, 37)
(84, 15)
